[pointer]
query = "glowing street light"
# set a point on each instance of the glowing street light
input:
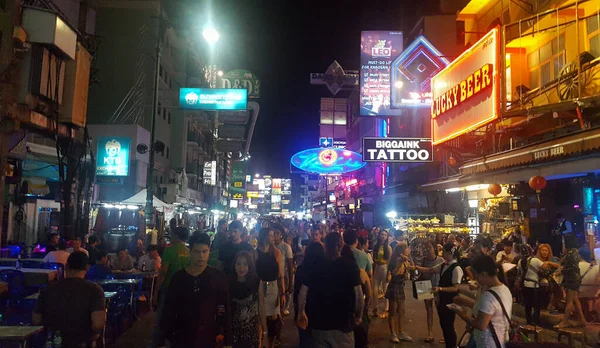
(220, 73)
(257, 175)
(211, 35)
(391, 215)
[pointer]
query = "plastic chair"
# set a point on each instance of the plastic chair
(59, 267)
(16, 284)
(15, 251)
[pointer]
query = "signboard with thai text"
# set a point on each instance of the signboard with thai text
(213, 98)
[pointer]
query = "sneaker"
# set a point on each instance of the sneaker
(394, 339)
(406, 338)
(286, 312)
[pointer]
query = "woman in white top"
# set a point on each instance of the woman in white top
(529, 284)
(488, 315)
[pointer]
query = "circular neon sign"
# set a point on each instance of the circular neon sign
(327, 161)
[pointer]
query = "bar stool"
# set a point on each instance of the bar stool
(530, 329)
(573, 334)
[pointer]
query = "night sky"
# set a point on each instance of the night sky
(282, 42)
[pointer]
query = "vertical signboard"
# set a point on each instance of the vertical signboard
(377, 51)
(276, 202)
(466, 94)
(210, 173)
(113, 156)
(286, 186)
(238, 180)
(276, 187)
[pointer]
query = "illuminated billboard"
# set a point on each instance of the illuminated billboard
(112, 156)
(213, 98)
(210, 173)
(397, 150)
(327, 161)
(276, 202)
(466, 94)
(286, 186)
(412, 72)
(377, 51)
(276, 187)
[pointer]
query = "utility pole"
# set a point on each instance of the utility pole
(149, 209)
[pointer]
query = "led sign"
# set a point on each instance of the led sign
(351, 182)
(113, 156)
(213, 98)
(466, 94)
(327, 161)
(397, 150)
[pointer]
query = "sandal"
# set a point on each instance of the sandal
(429, 340)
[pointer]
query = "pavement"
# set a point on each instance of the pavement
(415, 324)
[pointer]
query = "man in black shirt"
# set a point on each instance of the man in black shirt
(335, 299)
(228, 251)
(197, 310)
(73, 307)
(92, 248)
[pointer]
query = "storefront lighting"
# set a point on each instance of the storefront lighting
(120, 206)
(454, 189)
(473, 203)
(240, 215)
(132, 207)
(109, 206)
(215, 211)
(391, 215)
(477, 187)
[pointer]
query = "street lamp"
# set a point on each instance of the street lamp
(211, 35)
(391, 215)
(257, 175)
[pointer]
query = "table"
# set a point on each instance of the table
(130, 282)
(20, 334)
(139, 275)
(14, 260)
(36, 276)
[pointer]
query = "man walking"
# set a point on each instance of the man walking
(229, 250)
(335, 299)
(362, 260)
(197, 309)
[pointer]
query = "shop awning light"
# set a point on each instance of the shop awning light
(109, 206)
(477, 187)
(391, 215)
(132, 207)
(473, 203)
(454, 189)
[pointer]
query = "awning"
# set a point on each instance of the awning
(140, 199)
(442, 184)
(37, 187)
(548, 151)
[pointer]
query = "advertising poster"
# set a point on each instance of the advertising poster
(397, 150)
(276, 187)
(213, 98)
(238, 180)
(377, 51)
(276, 202)
(466, 94)
(113, 156)
(286, 186)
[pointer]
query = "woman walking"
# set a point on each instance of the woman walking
(246, 303)
(491, 313)
(269, 268)
(398, 272)
(450, 276)
(571, 282)
(381, 256)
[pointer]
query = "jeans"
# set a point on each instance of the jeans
(158, 337)
(332, 339)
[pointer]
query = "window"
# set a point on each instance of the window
(169, 117)
(167, 152)
(161, 72)
(593, 34)
(170, 83)
(161, 179)
(159, 109)
(546, 63)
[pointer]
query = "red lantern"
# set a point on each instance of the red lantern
(451, 161)
(494, 189)
(537, 183)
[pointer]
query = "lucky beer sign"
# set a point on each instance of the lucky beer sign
(466, 94)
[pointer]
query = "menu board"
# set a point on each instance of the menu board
(377, 51)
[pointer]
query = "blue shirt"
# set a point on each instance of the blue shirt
(98, 271)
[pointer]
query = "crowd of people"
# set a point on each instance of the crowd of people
(234, 290)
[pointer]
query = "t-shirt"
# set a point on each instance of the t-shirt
(286, 250)
(98, 271)
(589, 280)
(59, 256)
(330, 302)
(362, 260)
(533, 267)
(177, 257)
(81, 250)
(67, 306)
(197, 309)
(434, 277)
(150, 263)
(122, 265)
(227, 253)
(488, 304)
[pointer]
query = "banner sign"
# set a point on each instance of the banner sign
(213, 99)
(466, 94)
(335, 78)
(276, 202)
(238, 180)
(397, 150)
(210, 173)
(242, 79)
(377, 51)
(286, 186)
(276, 187)
(112, 156)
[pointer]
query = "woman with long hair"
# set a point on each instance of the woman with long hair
(313, 257)
(247, 304)
(490, 318)
(431, 262)
(381, 258)
(571, 282)
(398, 272)
(270, 271)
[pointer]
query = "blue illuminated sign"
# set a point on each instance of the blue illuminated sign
(213, 98)
(327, 161)
(112, 157)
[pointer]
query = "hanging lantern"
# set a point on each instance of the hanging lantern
(451, 161)
(538, 183)
(494, 189)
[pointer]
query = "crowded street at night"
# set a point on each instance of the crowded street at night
(312, 174)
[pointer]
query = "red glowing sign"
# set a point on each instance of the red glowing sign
(351, 182)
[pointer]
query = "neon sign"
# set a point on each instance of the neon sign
(327, 161)
(475, 83)
(351, 182)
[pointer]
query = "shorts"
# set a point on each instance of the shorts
(395, 292)
(271, 291)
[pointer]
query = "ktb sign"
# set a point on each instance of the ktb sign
(242, 79)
